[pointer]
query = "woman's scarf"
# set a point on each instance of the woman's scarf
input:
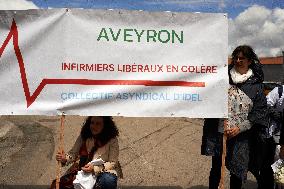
(240, 78)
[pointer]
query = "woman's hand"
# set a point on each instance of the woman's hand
(89, 168)
(98, 169)
(232, 132)
(61, 157)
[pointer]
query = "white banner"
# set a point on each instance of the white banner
(113, 62)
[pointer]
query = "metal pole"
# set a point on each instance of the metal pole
(60, 150)
(224, 153)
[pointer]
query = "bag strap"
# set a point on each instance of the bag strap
(280, 91)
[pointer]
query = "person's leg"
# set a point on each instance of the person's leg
(215, 172)
(266, 179)
(106, 181)
(235, 182)
(66, 182)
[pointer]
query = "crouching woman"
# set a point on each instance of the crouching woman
(98, 139)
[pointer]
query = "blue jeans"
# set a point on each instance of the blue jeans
(106, 181)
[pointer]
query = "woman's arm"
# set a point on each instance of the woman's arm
(113, 155)
(259, 114)
(73, 154)
(111, 162)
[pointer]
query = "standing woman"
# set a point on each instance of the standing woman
(98, 139)
(247, 119)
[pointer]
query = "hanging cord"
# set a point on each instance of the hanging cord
(224, 153)
(60, 150)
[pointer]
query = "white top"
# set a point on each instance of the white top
(273, 98)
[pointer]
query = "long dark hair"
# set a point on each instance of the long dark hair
(249, 53)
(109, 131)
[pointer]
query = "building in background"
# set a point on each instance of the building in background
(273, 68)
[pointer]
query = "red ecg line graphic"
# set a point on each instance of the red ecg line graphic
(31, 98)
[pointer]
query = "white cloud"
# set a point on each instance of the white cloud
(259, 27)
(16, 5)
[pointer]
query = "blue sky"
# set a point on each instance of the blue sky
(232, 7)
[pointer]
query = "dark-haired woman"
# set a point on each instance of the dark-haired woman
(98, 139)
(247, 120)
